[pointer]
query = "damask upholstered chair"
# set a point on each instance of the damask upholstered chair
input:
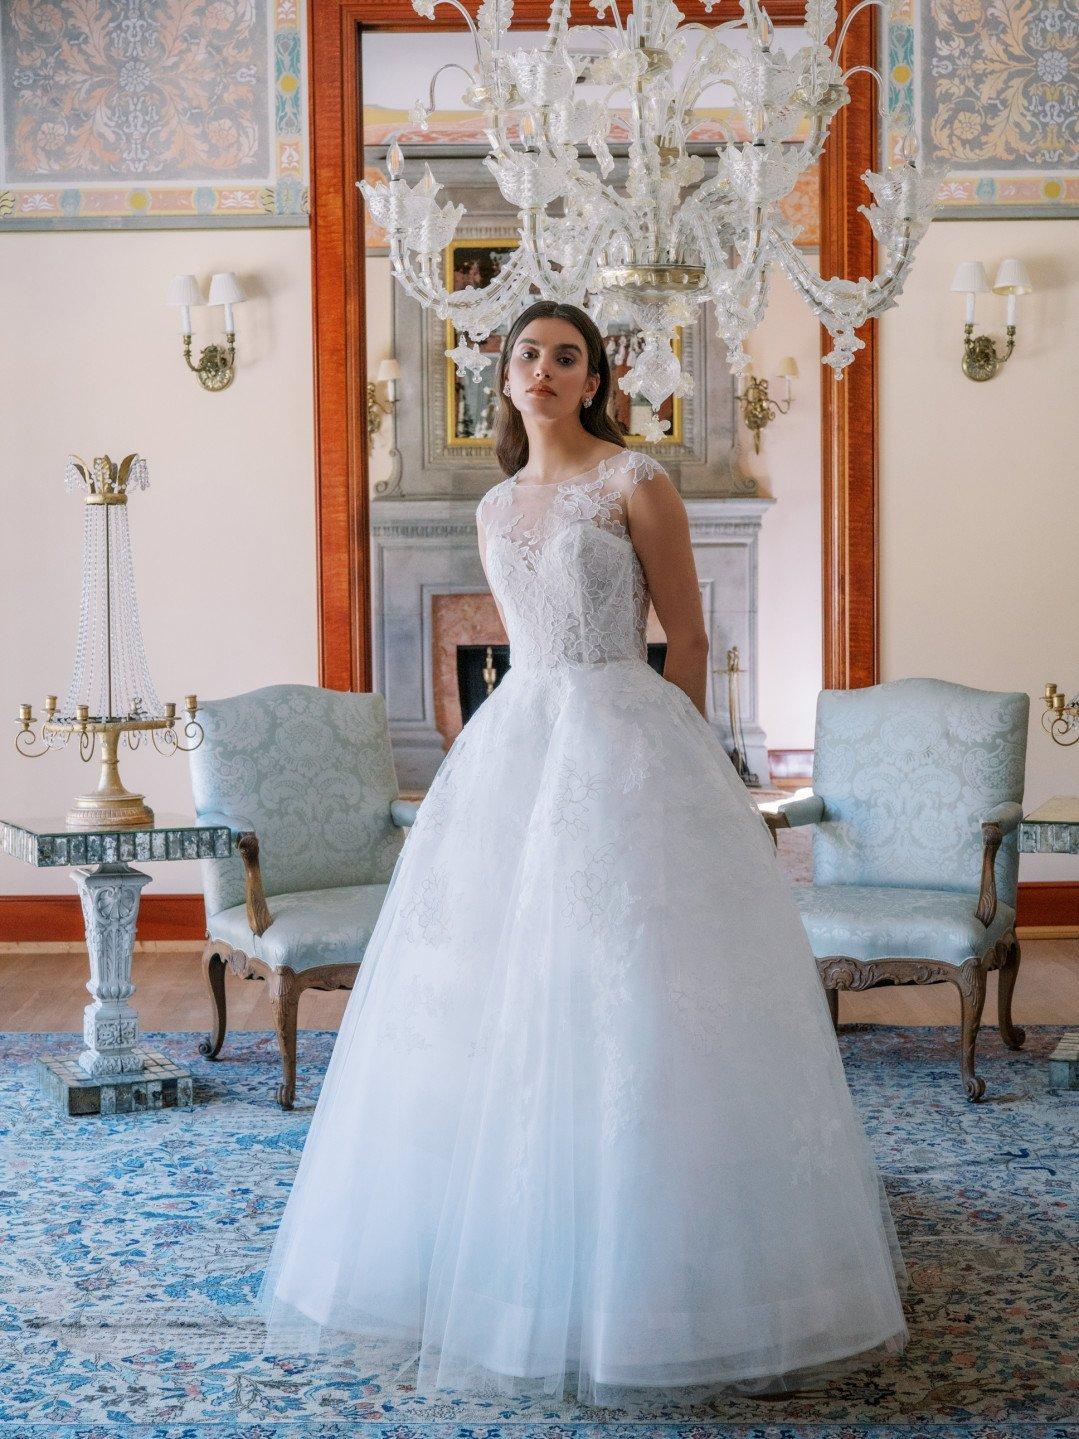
(305, 779)
(915, 804)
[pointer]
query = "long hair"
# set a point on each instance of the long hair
(511, 439)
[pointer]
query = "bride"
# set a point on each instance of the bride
(585, 1130)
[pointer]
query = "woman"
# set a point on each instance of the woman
(586, 1125)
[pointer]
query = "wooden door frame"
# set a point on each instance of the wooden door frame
(849, 428)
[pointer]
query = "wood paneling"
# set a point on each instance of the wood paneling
(44, 917)
(849, 404)
(41, 917)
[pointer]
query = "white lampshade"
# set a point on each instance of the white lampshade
(969, 278)
(1012, 279)
(184, 290)
(388, 370)
(788, 368)
(225, 289)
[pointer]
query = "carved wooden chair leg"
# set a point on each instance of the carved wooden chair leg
(213, 969)
(285, 1002)
(832, 996)
(1013, 1035)
(970, 981)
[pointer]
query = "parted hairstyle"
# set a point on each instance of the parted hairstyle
(511, 439)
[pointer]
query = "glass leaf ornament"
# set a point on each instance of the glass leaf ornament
(682, 229)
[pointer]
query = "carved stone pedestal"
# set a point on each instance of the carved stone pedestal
(113, 1074)
(110, 1026)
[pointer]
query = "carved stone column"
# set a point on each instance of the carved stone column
(110, 1026)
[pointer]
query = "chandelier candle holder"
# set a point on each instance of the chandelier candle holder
(1060, 718)
(687, 227)
(111, 694)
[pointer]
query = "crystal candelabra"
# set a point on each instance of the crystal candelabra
(110, 659)
(1060, 718)
(685, 228)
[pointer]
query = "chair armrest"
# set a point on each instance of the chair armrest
(258, 911)
(237, 824)
(1007, 815)
(246, 842)
(1000, 820)
(803, 807)
(403, 812)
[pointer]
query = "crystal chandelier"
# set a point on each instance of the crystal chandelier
(685, 228)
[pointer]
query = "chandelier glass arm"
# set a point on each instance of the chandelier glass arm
(837, 49)
(426, 286)
(880, 292)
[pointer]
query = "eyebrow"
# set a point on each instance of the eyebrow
(565, 345)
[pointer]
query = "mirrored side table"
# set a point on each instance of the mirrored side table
(114, 1074)
(1053, 828)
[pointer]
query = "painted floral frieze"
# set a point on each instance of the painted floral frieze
(151, 110)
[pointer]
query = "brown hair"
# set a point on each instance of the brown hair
(511, 439)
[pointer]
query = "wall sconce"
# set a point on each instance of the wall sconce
(389, 373)
(216, 366)
(980, 358)
(758, 409)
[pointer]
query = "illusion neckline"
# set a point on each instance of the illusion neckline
(561, 484)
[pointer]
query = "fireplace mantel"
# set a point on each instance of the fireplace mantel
(421, 549)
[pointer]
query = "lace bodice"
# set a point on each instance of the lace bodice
(563, 568)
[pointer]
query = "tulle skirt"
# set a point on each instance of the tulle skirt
(585, 1130)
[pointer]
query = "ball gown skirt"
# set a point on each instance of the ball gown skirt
(585, 1129)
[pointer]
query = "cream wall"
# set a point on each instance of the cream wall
(224, 538)
(979, 486)
(788, 469)
(979, 500)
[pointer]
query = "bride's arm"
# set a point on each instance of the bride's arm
(659, 529)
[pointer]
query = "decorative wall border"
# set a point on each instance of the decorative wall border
(280, 198)
(971, 192)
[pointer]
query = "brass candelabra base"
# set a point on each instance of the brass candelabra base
(111, 805)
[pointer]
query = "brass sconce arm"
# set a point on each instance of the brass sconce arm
(217, 363)
(759, 408)
(980, 358)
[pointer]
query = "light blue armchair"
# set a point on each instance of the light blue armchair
(915, 805)
(305, 779)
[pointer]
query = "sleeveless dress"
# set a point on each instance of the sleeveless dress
(585, 1130)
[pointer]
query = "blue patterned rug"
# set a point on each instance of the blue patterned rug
(131, 1245)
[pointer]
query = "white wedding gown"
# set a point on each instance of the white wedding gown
(585, 1128)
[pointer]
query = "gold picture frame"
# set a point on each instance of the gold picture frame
(473, 261)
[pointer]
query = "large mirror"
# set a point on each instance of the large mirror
(750, 476)
(471, 401)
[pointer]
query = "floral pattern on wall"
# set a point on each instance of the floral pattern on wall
(151, 112)
(993, 86)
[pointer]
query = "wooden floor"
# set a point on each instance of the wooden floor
(43, 987)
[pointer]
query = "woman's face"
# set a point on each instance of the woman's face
(547, 374)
